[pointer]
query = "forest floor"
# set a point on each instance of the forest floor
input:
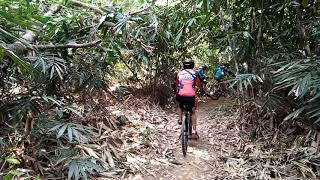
(228, 148)
(207, 158)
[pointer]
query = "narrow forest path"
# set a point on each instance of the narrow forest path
(206, 158)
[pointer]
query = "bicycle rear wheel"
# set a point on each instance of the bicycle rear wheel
(189, 124)
(184, 141)
(184, 134)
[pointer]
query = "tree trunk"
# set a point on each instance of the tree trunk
(302, 33)
(64, 46)
(86, 5)
(231, 41)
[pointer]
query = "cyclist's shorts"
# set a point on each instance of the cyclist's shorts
(191, 102)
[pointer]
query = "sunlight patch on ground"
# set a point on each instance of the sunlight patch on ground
(199, 153)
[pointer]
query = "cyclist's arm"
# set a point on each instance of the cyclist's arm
(204, 76)
(177, 81)
(198, 83)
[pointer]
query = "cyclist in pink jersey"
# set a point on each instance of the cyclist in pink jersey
(185, 84)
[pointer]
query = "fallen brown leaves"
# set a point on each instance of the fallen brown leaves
(136, 139)
(149, 146)
(125, 135)
(265, 152)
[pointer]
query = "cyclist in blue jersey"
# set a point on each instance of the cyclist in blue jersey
(203, 77)
(221, 71)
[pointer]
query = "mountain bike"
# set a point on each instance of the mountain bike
(208, 91)
(186, 128)
(214, 90)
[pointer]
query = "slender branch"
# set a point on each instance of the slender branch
(139, 11)
(132, 71)
(106, 89)
(102, 48)
(302, 32)
(108, 24)
(3, 165)
(86, 5)
(98, 10)
(144, 46)
(63, 46)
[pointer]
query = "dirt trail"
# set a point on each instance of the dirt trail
(206, 158)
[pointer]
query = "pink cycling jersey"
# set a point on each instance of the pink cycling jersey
(185, 83)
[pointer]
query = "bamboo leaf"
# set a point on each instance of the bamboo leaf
(315, 97)
(15, 19)
(77, 171)
(72, 169)
(12, 160)
(57, 102)
(74, 111)
(17, 60)
(84, 175)
(13, 37)
(316, 114)
(110, 158)
(294, 114)
(177, 39)
(76, 134)
(305, 3)
(55, 127)
(16, 173)
(52, 71)
(61, 131)
(205, 5)
(59, 71)
(1, 54)
(70, 134)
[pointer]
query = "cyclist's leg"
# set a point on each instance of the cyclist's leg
(178, 99)
(203, 88)
(194, 120)
(180, 115)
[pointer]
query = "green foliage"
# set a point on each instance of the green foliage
(73, 131)
(302, 76)
(12, 172)
(12, 160)
(279, 46)
(78, 168)
(245, 81)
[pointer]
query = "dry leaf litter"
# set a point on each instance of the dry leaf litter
(136, 139)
